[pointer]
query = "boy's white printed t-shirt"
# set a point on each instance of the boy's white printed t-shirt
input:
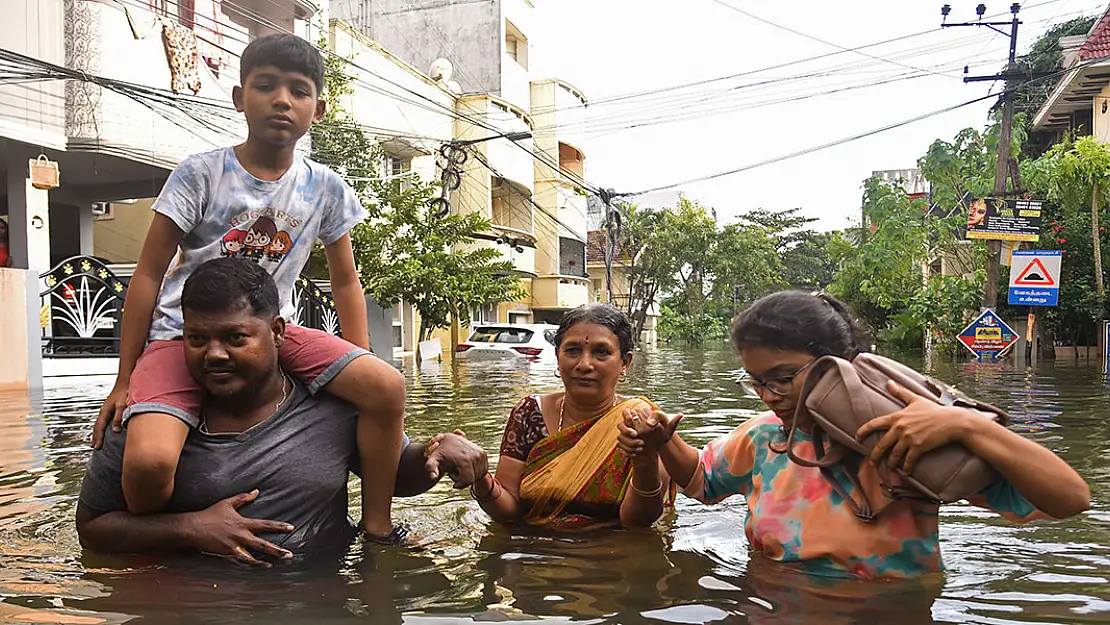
(225, 211)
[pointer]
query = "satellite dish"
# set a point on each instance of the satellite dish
(454, 87)
(441, 70)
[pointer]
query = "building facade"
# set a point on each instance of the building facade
(524, 183)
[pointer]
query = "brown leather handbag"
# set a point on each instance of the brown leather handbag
(839, 396)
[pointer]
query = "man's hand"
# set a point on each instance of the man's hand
(111, 410)
(221, 531)
(454, 455)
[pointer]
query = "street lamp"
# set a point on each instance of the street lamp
(511, 136)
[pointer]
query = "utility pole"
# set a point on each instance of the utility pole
(612, 224)
(1002, 164)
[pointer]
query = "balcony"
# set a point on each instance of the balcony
(560, 292)
(512, 245)
(101, 120)
(516, 87)
(261, 17)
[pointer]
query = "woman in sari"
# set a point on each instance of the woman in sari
(559, 464)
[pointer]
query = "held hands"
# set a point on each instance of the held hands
(644, 432)
(221, 531)
(111, 411)
(457, 457)
(913, 431)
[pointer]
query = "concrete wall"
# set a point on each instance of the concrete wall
(468, 33)
(1101, 129)
(34, 112)
(21, 365)
(120, 238)
(428, 124)
(559, 109)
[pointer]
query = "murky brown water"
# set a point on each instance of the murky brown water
(694, 568)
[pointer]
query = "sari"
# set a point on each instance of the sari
(581, 467)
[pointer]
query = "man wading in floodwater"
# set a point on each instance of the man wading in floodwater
(264, 477)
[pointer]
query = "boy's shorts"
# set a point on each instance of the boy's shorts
(161, 381)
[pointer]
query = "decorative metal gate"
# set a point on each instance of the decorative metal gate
(315, 307)
(82, 309)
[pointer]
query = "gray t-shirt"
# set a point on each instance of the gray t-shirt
(225, 211)
(298, 459)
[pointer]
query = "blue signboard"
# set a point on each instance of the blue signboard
(988, 336)
(1035, 277)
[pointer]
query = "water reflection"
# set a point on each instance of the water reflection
(694, 567)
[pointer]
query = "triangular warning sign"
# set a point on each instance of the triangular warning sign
(1035, 275)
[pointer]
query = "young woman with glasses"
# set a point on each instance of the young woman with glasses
(793, 513)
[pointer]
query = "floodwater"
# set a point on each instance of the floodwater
(694, 567)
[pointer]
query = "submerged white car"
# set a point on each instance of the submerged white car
(534, 341)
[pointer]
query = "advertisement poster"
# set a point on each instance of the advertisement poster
(1002, 219)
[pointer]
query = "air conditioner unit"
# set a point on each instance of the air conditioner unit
(102, 211)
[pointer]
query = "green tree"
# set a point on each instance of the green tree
(651, 268)
(880, 274)
(1076, 175)
(403, 250)
(804, 262)
(745, 265)
(946, 304)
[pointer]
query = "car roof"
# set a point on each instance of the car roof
(527, 326)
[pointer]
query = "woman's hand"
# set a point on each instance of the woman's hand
(915, 430)
(644, 432)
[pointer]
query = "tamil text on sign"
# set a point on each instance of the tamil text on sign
(1035, 277)
(1002, 219)
(988, 336)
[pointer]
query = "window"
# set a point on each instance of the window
(516, 44)
(512, 336)
(549, 336)
(393, 167)
(486, 313)
(186, 13)
(520, 318)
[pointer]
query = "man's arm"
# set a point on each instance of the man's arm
(219, 530)
(350, 301)
(424, 464)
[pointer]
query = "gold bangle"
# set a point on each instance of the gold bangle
(647, 494)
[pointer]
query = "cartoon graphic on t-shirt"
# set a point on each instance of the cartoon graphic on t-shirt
(233, 242)
(279, 247)
(259, 235)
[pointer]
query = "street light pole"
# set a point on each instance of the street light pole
(1002, 162)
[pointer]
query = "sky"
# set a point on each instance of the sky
(617, 48)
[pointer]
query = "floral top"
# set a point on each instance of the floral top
(524, 429)
(794, 515)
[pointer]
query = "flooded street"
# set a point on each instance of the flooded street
(694, 567)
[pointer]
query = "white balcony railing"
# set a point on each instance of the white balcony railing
(560, 292)
(523, 259)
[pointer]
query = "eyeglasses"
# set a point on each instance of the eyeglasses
(780, 385)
